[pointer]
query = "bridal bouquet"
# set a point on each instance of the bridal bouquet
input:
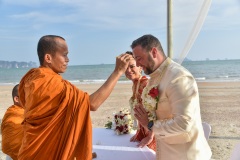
(123, 122)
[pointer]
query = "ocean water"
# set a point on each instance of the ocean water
(212, 70)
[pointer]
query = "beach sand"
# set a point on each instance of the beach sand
(220, 107)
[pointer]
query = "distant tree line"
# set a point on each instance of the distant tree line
(15, 64)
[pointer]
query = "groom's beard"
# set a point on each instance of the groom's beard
(150, 68)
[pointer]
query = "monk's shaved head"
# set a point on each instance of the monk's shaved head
(47, 44)
(15, 91)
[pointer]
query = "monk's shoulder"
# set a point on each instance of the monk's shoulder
(13, 115)
(75, 88)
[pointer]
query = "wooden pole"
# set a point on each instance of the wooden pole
(169, 29)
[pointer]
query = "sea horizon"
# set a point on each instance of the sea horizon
(203, 71)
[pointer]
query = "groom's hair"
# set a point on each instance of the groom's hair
(147, 42)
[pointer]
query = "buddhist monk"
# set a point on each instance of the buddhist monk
(57, 124)
(12, 132)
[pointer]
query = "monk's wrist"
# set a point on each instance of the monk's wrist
(118, 73)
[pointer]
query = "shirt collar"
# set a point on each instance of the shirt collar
(160, 69)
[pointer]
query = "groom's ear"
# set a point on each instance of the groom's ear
(154, 52)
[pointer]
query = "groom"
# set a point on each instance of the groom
(176, 116)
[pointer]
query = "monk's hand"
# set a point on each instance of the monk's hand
(122, 62)
(141, 115)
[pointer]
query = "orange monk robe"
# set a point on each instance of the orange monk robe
(12, 131)
(57, 123)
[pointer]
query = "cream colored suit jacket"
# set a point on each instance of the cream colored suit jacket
(178, 128)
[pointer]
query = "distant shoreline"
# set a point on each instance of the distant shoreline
(203, 71)
(129, 82)
(72, 65)
(189, 60)
(15, 64)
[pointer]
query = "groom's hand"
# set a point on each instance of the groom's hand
(141, 115)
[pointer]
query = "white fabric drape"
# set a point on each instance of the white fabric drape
(188, 19)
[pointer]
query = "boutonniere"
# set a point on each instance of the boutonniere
(154, 93)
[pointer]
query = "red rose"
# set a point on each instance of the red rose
(120, 128)
(125, 132)
(153, 92)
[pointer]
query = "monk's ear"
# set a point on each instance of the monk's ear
(16, 99)
(48, 58)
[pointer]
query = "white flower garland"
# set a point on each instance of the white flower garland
(150, 103)
(132, 104)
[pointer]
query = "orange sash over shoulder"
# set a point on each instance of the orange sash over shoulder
(12, 132)
(57, 123)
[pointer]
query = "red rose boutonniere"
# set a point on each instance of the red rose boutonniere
(154, 93)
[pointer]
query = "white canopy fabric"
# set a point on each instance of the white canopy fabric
(187, 21)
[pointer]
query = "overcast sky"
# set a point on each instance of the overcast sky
(98, 30)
